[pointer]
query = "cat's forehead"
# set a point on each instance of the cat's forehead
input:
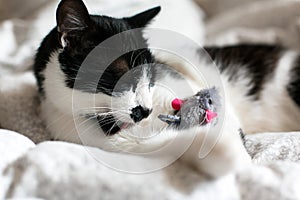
(116, 33)
(110, 24)
(135, 79)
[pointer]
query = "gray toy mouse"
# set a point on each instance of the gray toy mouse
(199, 109)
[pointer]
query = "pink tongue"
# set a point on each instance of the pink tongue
(124, 125)
(210, 115)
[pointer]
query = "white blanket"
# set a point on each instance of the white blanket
(59, 170)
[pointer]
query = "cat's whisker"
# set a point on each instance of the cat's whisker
(96, 112)
(140, 53)
(113, 110)
(123, 117)
(105, 114)
(109, 131)
(131, 57)
(107, 122)
(49, 124)
(95, 123)
(88, 119)
(108, 108)
(88, 128)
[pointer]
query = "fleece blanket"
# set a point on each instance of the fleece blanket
(33, 166)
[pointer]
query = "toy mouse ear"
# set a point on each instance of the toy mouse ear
(176, 104)
(142, 19)
(71, 15)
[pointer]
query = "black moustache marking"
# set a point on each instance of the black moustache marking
(108, 125)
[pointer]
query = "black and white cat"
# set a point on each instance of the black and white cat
(261, 85)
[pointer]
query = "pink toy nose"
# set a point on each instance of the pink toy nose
(176, 104)
(210, 115)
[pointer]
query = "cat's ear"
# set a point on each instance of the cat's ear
(142, 19)
(71, 15)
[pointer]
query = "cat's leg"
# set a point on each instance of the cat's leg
(224, 152)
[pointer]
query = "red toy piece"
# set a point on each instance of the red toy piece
(176, 104)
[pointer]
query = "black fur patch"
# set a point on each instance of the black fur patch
(244, 140)
(293, 87)
(242, 135)
(259, 60)
(88, 79)
(49, 45)
(108, 125)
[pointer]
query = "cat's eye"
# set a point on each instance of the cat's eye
(210, 101)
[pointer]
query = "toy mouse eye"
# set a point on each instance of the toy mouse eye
(210, 101)
(151, 85)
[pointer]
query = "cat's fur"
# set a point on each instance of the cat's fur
(261, 84)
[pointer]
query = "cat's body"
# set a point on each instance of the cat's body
(260, 93)
(262, 85)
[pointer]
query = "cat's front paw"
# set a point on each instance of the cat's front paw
(217, 153)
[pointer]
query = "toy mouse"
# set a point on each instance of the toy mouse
(199, 109)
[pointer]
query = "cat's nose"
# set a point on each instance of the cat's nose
(139, 113)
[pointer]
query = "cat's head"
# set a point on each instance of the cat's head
(127, 81)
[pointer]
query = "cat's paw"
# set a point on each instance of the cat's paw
(217, 153)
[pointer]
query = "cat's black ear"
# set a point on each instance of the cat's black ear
(71, 15)
(142, 19)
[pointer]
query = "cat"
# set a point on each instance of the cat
(256, 79)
